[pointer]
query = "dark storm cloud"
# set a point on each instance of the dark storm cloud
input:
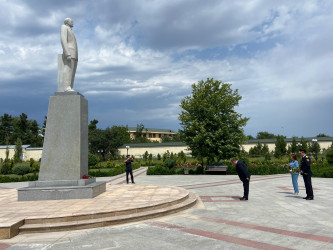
(138, 59)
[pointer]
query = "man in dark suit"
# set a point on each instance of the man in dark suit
(128, 163)
(305, 170)
(244, 176)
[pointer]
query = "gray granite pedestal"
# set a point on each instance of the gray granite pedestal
(65, 153)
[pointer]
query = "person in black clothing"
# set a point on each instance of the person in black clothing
(128, 163)
(305, 170)
(244, 176)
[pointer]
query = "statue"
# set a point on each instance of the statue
(69, 56)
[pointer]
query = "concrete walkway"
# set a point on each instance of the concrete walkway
(272, 218)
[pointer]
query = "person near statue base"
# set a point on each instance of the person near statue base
(305, 170)
(128, 163)
(244, 176)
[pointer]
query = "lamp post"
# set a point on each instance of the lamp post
(127, 147)
(100, 159)
(314, 140)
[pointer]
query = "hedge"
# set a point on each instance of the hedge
(112, 171)
(161, 170)
(6, 178)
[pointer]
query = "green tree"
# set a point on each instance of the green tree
(12, 128)
(322, 135)
(166, 138)
(304, 144)
(115, 137)
(250, 137)
(6, 129)
(265, 135)
(22, 128)
(139, 135)
(256, 150)
(18, 150)
(280, 146)
(265, 150)
(106, 141)
(210, 125)
(145, 156)
(329, 155)
(314, 147)
(93, 125)
(293, 146)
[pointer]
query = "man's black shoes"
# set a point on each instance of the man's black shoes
(309, 198)
(305, 198)
(243, 199)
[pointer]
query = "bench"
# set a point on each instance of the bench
(218, 168)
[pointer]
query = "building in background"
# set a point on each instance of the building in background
(139, 149)
(152, 134)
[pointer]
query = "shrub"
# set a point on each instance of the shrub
(21, 169)
(324, 170)
(92, 160)
(159, 170)
(35, 167)
(329, 155)
(169, 163)
(7, 178)
(6, 168)
(199, 170)
(110, 164)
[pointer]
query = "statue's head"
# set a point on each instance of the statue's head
(68, 22)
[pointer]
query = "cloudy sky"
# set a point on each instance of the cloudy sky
(138, 59)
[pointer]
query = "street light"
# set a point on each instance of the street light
(299, 146)
(314, 140)
(127, 147)
(100, 160)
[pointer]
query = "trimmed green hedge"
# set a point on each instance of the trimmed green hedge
(324, 170)
(6, 178)
(112, 171)
(161, 170)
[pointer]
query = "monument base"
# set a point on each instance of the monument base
(61, 190)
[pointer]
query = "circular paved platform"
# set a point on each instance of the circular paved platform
(118, 203)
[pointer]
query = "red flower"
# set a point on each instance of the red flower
(85, 177)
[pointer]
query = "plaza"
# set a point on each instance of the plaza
(272, 218)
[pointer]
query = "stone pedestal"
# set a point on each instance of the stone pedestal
(65, 153)
(65, 149)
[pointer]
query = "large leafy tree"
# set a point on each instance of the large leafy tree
(211, 127)
(12, 128)
(105, 142)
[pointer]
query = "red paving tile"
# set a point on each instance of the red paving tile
(231, 198)
(235, 181)
(271, 230)
(217, 236)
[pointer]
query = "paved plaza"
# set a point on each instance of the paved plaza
(272, 218)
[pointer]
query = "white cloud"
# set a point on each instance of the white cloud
(142, 58)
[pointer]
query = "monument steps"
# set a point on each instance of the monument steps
(103, 219)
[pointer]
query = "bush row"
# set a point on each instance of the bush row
(111, 172)
(162, 170)
(324, 170)
(7, 178)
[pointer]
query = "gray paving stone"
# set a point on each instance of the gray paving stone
(272, 205)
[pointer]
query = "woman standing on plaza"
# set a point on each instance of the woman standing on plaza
(294, 171)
